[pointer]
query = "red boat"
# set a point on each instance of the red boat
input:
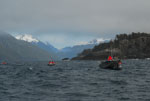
(111, 64)
(3, 63)
(51, 63)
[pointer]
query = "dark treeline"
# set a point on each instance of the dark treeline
(124, 46)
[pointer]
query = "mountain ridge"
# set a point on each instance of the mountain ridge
(18, 50)
(73, 51)
(124, 46)
(29, 38)
(66, 52)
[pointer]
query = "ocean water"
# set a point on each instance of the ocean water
(75, 81)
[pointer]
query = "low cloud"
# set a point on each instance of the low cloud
(94, 18)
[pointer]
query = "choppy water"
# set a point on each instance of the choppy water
(75, 81)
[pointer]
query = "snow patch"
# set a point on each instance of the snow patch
(95, 41)
(27, 37)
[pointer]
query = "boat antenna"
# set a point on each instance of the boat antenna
(51, 58)
(111, 47)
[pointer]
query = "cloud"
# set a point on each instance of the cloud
(78, 17)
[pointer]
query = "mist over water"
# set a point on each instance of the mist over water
(75, 81)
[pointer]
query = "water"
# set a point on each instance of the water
(75, 81)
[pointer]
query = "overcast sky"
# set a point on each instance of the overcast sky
(66, 22)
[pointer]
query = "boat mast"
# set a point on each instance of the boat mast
(111, 48)
(51, 58)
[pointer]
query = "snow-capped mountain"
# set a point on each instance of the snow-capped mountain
(29, 38)
(98, 41)
(70, 52)
(12, 49)
(94, 41)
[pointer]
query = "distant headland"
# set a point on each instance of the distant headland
(124, 46)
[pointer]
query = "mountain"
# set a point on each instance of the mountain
(29, 38)
(70, 52)
(12, 49)
(46, 46)
(94, 41)
(124, 46)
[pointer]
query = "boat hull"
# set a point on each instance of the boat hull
(113, 65)
(51, 64)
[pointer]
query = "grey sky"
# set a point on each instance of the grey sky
(74, 18)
